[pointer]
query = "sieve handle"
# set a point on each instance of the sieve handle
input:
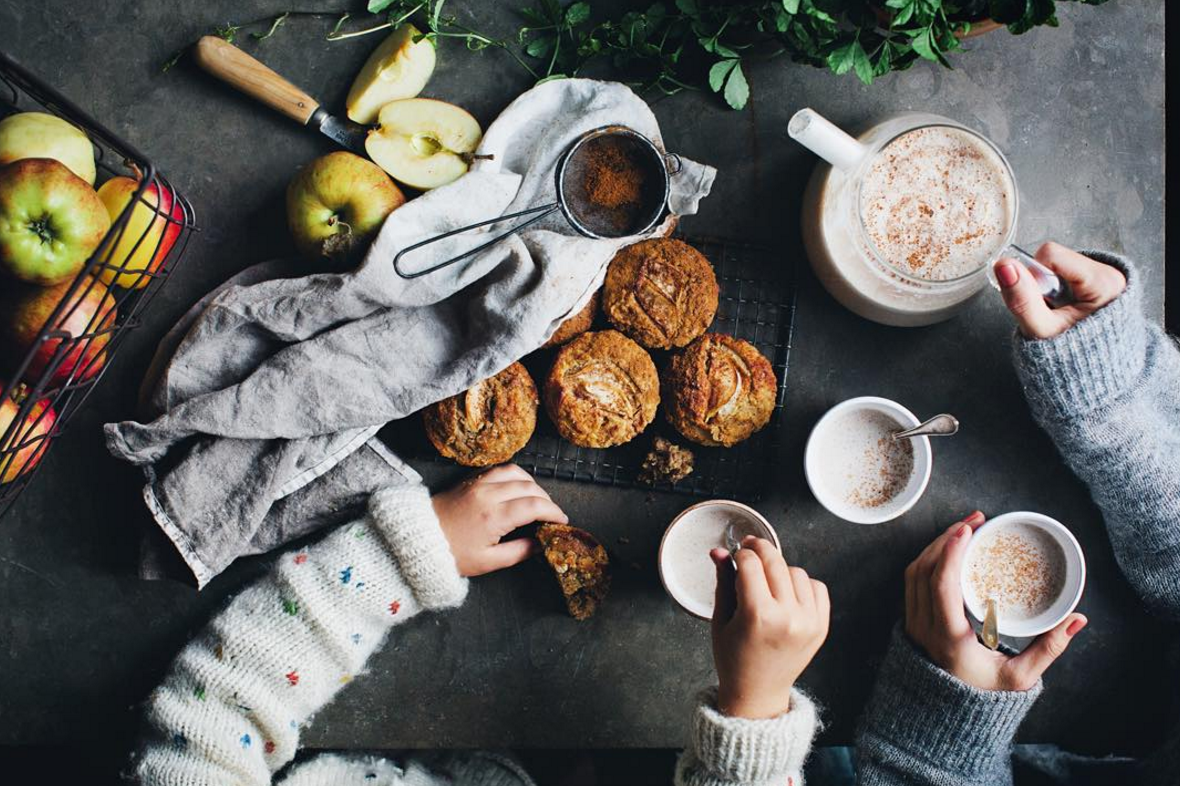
(541, 212)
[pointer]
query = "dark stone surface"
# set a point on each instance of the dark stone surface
(1079, 110)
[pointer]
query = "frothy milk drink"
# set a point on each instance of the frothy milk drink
(905, 236)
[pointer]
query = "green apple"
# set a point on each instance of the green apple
(337, 203)
(399, 68)
(51, 221)
(422, 142)
(41, 135)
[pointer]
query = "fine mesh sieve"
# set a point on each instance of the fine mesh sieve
(651, 167)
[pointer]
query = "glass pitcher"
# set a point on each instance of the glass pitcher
(870, 201)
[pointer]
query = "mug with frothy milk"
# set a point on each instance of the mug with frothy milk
(903, 223)
(1030, 565)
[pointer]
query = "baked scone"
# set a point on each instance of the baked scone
(719, 390)
(580, 563)
(576, 325)
(488, 423)
(660, 292)
(603, 390)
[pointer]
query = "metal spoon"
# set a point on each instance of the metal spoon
(732, 544)
(990, 635)
(938, 426)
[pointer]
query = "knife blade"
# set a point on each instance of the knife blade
(241, 71)
(349, 135)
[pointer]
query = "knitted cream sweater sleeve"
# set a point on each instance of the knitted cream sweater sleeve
(725, 751)
(230, 709)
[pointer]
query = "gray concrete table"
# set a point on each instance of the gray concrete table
(1079, 110)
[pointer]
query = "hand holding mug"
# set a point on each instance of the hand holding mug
(936, 621)
(1093, 284)
(768, 622)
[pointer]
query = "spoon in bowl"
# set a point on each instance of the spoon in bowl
(938, 426)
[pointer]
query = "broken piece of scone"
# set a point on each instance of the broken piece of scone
(581, 565)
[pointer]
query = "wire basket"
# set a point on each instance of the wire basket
(757, 303)
(46, 380)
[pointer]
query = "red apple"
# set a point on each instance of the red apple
(147, 237)
(90, 313)
(20, 448)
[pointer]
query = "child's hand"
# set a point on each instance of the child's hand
(936, 621)
(481, 510)
(1094, 284)
(768, 622)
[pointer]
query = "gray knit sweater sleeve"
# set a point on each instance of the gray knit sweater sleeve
(1108, 392)
(925, 727)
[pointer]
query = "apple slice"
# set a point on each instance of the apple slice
(399, 68)
(422, 142)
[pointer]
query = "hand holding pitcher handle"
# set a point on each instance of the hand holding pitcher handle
(1053, 289)
(1087, 285)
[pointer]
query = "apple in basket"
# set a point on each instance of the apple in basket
(51, 221)
(88, 319)
(398, 68)
(23, 447)
(42, 135)
(148, 235)
(337, 203)
(422, 142)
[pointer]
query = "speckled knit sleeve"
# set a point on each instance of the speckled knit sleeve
(230, 709)
(725, 751)
(1108, 393)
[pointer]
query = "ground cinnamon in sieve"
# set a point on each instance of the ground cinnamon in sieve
(614, 172)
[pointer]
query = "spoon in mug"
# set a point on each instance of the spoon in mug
(732, 544)
(990, 635)
(938, 426)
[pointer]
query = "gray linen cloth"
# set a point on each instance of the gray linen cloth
(269, 403)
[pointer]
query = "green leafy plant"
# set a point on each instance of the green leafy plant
(674, 45)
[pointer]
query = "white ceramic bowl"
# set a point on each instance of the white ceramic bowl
(906, 499)
(1071, 588)
(699, 522)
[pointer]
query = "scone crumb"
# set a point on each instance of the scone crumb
(666, 461)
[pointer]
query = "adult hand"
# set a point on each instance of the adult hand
(1094, 284)
(768, 622)
(936, 621)
(481, 510)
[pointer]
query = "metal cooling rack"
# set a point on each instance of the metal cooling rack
(757, 304)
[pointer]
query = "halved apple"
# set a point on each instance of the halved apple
(422, 142)
(399, 68)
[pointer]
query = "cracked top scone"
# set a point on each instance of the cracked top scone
(719, 390)
(580, 563)
(576, 325)
(488, 423)
(603, 390)
(660, 292)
